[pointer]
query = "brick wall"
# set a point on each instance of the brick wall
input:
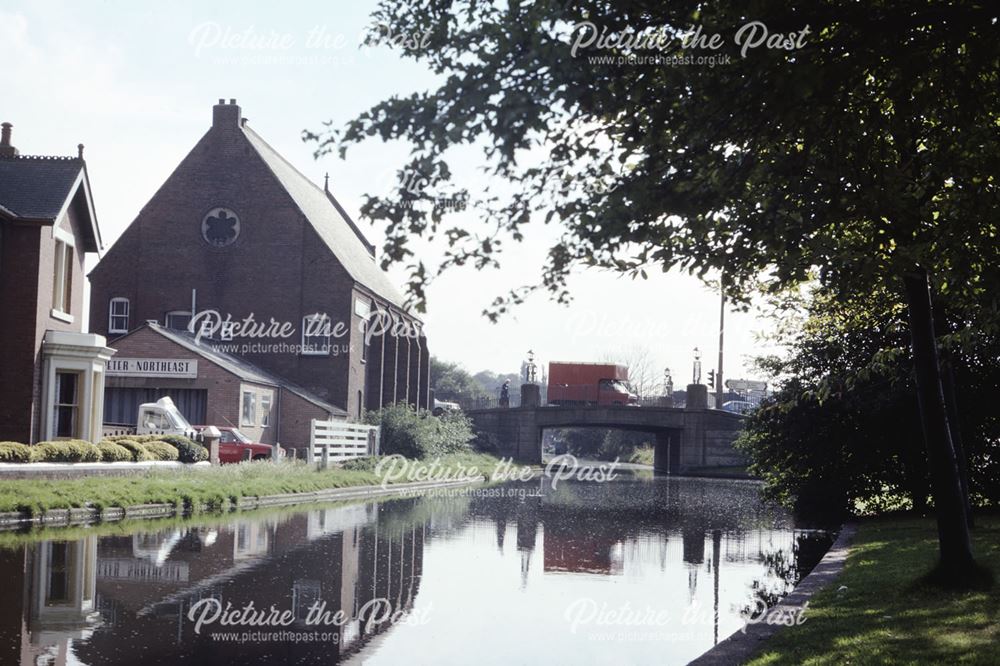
(223, 387)
(278, 267)
(18, 295)
(296, 416)
(26, 280)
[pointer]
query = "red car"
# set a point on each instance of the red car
(233, 446)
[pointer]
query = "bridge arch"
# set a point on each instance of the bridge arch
(686, 439)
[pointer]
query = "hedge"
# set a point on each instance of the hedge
(137, 450)
(66, 450)
(14, 452)
(112, 452)
(161, 450)
(188, 450)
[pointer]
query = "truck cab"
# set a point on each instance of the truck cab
(615, 392)
(162, 418)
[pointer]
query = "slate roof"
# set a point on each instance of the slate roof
(239, 367)
(36, 188)
(331, 222)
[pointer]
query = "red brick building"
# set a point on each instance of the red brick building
(209, 387)
(52, 373)
(236, 233)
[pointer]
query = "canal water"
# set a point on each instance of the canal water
(638, 570)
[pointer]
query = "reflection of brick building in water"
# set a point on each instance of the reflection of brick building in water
(145, 585)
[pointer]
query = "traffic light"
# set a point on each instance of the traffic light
(711, 378)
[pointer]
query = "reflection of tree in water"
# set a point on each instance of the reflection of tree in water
(785, 569)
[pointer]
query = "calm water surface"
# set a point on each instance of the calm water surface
(635, 571)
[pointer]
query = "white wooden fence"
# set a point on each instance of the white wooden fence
(335, 441)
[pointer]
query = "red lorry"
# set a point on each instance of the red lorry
(589, 384)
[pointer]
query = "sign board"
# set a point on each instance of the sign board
(746, 385)
(141, 570)
(181, 368)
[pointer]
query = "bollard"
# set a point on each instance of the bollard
(325, 460)
(211, 436)
(276, 452)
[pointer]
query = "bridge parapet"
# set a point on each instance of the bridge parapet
(686, 439)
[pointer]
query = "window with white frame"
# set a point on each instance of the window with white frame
(118, 315)
(316, 335)
(62, 282)
(363, 308)
(66, 411)
(249, 411)
(265, 410)
(178, 320)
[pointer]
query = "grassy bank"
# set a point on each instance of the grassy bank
(886, 615)
(211, 486)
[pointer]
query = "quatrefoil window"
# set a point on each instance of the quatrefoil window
(220, 227)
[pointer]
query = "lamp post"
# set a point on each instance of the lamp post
(668, 383)
(722, 329)
(697, 367)
(531, 392)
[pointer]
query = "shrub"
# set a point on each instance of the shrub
(453, 433)
(366, 464)
(416, 434)
(112, 452)
(403, 431)
(487, 442)
(141, 439)
(188, 451)
(161, 450)
(137, 450)
(66, 450)
(14, 452)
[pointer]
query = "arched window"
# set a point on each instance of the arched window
(118, 315)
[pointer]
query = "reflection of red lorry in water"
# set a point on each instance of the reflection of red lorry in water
(589, 384)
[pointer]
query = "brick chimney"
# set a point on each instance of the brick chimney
(6, 150)
(226, 115)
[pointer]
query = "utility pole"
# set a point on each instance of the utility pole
(722, 328)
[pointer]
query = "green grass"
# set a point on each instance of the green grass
(888, 614)
(192, 488)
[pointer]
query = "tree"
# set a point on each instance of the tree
(450, 381)
(836, 436)
(827, 152)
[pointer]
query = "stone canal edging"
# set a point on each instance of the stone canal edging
(87, 515)
(741, 647)
(52, 471)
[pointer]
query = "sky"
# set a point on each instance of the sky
(135, 83)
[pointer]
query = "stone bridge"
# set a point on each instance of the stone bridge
(686, 439)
